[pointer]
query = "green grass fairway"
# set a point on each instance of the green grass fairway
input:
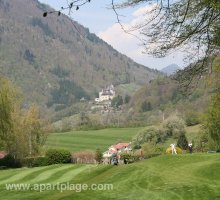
(181, 177)
(93, 139)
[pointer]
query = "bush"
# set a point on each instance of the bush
(192, 118)
(126, 156)
(86, 157)
(57, 156)
(174, 127)
(98, 156)
(35, 161)
(10, 162)
(148, 135)
(182, 142)
(40, 161)
(178, 150)
(148, 148)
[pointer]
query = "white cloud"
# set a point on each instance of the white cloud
(146, 9)
(131, 46)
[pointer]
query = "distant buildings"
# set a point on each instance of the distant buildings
(116, 150)
(106, 94)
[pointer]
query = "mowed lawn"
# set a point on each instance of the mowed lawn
(91, 140)
(179, 177)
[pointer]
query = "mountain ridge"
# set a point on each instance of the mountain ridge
(170, 69)
(42, 55)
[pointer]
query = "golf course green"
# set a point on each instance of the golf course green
(90, 140)
(166, 177)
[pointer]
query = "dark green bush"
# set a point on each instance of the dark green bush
(35, 161)
(182, 142)
(127, 156)
(56, 156)
(10, 162)
(192, 118)
(40, 161)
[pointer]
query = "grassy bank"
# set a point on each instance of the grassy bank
(181, 177)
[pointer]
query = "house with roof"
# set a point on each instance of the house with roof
(106, 94)
(116, 149)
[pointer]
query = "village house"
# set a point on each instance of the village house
(116, 149)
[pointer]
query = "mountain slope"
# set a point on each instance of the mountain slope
(163, 97)
(57, 61)
(170, 69)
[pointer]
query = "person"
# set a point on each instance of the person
(173, 148)
(190, 147)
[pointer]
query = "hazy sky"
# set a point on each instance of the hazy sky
(102, 21)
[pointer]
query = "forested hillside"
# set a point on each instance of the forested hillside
(56, 61)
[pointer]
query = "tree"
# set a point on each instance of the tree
(182, 142)
(98, 156)
(127, 99)
(76, 4)
(211, 123)
(174, 127)
(8, 97)
(21, 131)
(168, 24)
(151, 135)
(192, 25)
(146, 106)
(171, 24)
(117, 101)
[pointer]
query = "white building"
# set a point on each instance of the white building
(106, 94)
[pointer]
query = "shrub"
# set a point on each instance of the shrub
(40, 161)
(148, 148)
(56, 156)
(178, 150)
(98, 156)
(10, 162)
(149, 134)
(35, 161)
(192, 118)
(182, 142)
(174, 127)
(126, 156)
(87, 157)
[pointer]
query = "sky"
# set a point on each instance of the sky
(102, 21)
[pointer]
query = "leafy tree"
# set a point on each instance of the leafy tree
(182, 23)
(211, 123)
(192, 25)
(174, 127)
(21, 132)
(98, 156)
(151, 135)
(146, 106)
(8, 98)
(182, 142)
(127, 99)
(192, 118)
(117, 101)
